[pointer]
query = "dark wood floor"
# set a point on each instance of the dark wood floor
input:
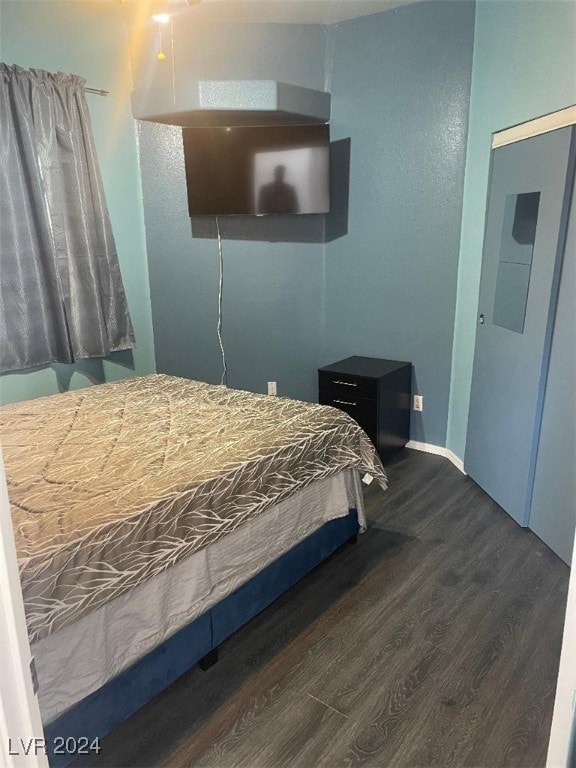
(433, 642)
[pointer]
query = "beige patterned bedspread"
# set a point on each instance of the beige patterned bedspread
(112, 484)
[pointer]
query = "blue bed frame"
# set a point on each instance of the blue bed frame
(106, 708)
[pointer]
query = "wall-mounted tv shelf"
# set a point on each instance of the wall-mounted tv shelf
(231, 103)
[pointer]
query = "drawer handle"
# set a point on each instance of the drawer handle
(345, 383)
(344, 402)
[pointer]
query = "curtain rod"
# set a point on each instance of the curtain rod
(97, 91)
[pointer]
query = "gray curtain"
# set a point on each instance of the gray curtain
(61, 293)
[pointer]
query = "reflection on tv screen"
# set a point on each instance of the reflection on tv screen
(255, 170)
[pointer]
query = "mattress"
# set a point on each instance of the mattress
(112, 485)
(84, 656)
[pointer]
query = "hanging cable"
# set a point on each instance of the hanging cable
(224, 379)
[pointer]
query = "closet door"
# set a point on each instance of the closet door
(553, 507)
(529, 199)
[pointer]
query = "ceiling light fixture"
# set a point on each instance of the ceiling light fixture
(164, 18)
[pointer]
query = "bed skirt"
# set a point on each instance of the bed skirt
(102, 711)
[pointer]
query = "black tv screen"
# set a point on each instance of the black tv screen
(257, 170)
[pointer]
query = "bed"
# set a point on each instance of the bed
(153, 517)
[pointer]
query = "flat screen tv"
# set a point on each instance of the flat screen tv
(257, 170)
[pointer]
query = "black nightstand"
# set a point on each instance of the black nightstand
(376, 393)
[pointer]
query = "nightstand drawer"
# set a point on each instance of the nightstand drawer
(347, 385)
(362, 411)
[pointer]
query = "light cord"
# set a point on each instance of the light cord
(173, 62)
(224, 379)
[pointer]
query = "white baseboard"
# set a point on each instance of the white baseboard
(439, 451)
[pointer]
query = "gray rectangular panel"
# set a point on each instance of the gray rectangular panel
(511, 296)
(519, 227)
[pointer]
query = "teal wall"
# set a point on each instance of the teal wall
(400, 85)
(62, 36)
(273, 291)
(524, 66)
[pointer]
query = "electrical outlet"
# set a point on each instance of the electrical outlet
(418, 403)
(272, 388)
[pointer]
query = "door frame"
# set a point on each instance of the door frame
(19, 710)
(544, 124)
